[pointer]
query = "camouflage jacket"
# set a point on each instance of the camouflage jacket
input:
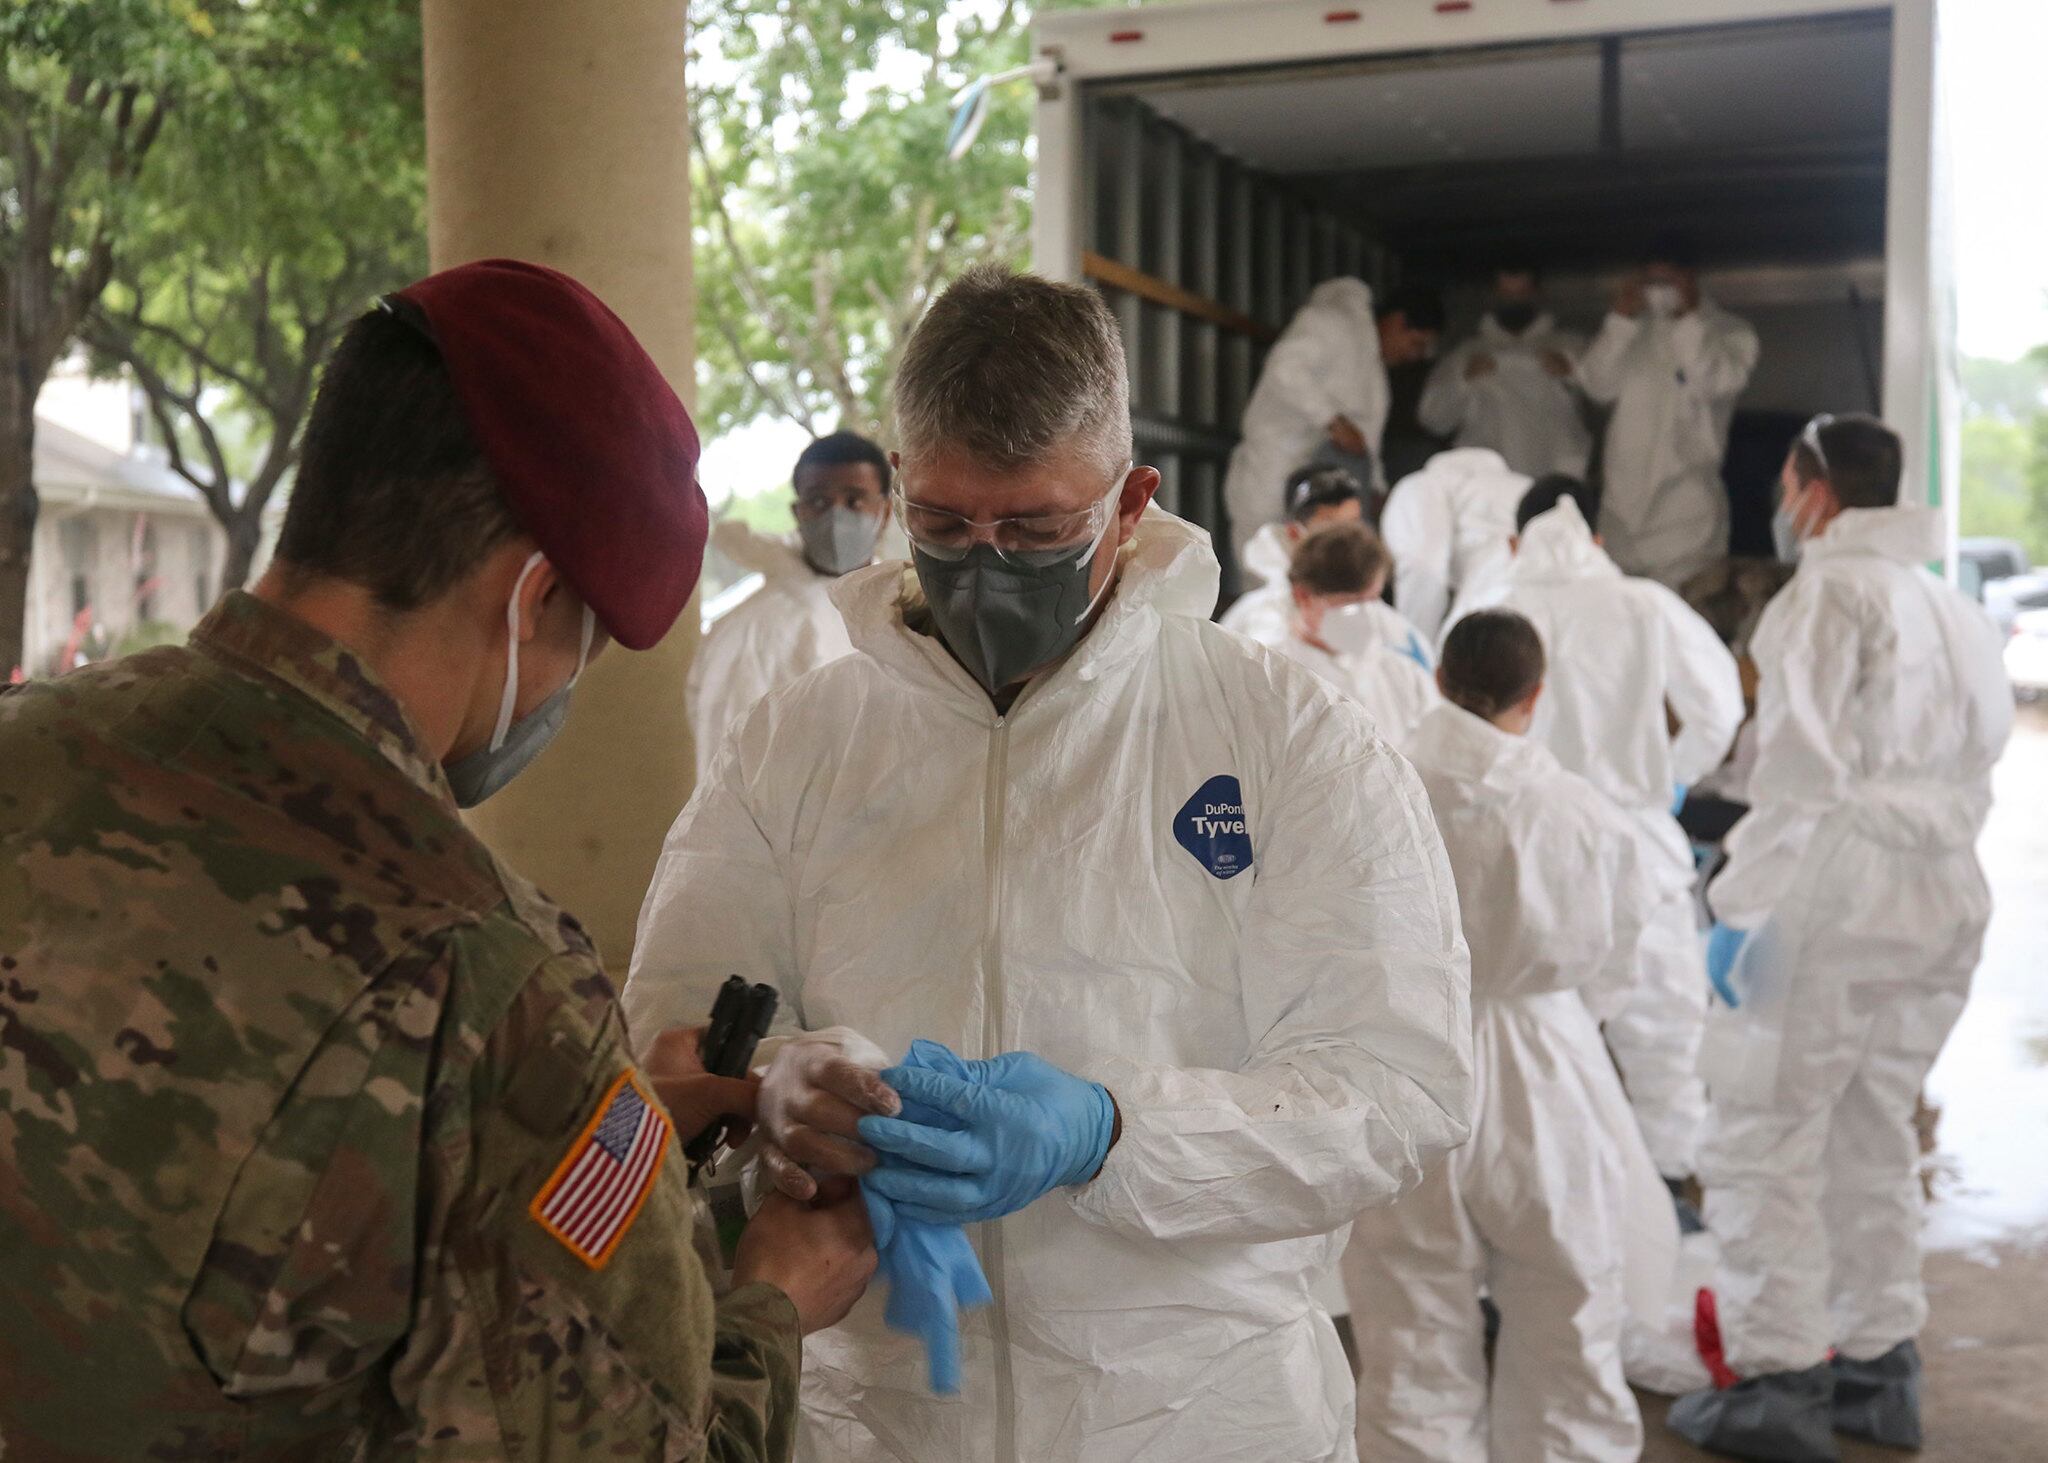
(306, 1103)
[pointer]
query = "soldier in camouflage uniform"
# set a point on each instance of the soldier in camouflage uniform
(321, 1135)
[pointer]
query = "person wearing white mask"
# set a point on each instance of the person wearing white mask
(1512, 385)
(1316, 497)
(1322, 395)
(1448, 527)
(790, 626)
(1851, 912)
(1627, 658)
(1336, 579)
(1176, 907)
(1671, 363)
(1553, 1207)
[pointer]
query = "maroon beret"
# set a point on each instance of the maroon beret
(595, 455)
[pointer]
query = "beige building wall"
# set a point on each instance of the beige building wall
(557, 133)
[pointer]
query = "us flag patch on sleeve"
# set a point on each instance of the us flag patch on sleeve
(595, 1192)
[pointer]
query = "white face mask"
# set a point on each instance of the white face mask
(1348, 629)
(1663, 300)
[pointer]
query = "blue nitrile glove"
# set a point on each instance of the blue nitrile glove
(1678, 792)
(931, 1269)
(933, 1274)
(1026, 1128)
(1724, 943)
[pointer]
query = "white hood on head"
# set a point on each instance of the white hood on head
(1267, 554)
(1558, 544)
(1903, 535)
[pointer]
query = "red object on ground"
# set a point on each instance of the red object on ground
(1706, 1335)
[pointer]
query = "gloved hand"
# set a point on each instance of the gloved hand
(813, 1094)
(932, 1271)
(1026, 1127)
(1724, 943)
(1678, 794)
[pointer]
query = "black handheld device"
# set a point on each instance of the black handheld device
(740, 1017)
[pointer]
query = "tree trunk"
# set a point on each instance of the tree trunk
(17, 508)
(245, 536)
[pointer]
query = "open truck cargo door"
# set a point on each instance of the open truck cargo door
(1206, 165)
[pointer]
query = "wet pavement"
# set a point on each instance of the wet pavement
(1986, 1343)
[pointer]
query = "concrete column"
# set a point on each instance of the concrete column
(556, 132)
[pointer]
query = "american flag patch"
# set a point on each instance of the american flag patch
(590, 1200)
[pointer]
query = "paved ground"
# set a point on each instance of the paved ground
(1986, 1346)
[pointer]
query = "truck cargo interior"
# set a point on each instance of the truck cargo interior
(1764, 144)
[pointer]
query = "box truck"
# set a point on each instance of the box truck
(1206, 165)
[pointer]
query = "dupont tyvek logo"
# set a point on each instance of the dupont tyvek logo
(1212, 826)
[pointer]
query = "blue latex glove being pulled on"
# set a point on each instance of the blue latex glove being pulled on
(1724, 943)
(931, 1270)
(1016, 1128)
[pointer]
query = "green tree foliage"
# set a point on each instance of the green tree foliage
(281, 207)
(94, 94)
(827, 213)
(2005, 451)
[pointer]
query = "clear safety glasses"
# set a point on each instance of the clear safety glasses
(1033, 539)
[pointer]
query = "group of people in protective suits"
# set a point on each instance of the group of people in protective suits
(1514, 632)
(1774, 1058)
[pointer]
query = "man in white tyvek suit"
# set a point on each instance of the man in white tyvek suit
(1047, 805)
(789, 626)
(1511, 386)
(1671, 364)
(1448, 527)
(1323, 387)
(1337, 577)
(1317, 497)
(1881, 707)
(1553, 1206)
(1627, 656)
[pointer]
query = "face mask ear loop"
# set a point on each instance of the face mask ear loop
(511, 696)
(1116, 495)
(589, 634)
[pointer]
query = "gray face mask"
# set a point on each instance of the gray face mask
(1002, 619)
(514, 745)
(839, 540)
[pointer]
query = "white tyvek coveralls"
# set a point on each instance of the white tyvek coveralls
(1881, 706)
(1287, 1046)
(1448, 527)
(1530, 417)
(1325, 364)
(785, 628)
(1621, 649)
(1390, 685)
(1551, 1203)
(1673, 386)
(1266, 614)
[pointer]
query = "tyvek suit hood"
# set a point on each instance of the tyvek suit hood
(1267, 556)
(1280, 1013)
(1557, 544)
(1554, 1203)
(785, 628)
(1447, 527)
(1882, 705)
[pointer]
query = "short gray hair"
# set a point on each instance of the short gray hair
(1011, 368)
